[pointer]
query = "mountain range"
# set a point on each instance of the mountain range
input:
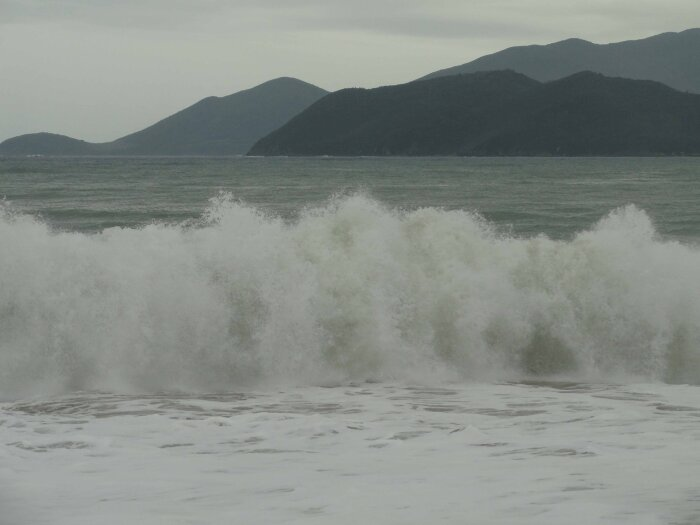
(669, 58)
(259, 118)
(213, 126)
(496, 113)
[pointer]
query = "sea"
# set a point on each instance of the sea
(349, 340)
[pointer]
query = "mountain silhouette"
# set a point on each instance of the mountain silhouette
(496, 113)
(213, 126)
(669, 58)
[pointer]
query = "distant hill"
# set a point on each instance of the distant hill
(213, 126)
(496, 113)
(45, 144)
(669, 58)
(226, 125)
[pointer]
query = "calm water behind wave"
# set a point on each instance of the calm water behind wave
(525, 196)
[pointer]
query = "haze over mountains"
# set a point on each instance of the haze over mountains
(429, 118)
(213, 126)
(496, 113)
(669, 58)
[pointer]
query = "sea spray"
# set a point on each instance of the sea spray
(349, 291)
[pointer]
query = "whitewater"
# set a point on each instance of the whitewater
(348, 292)
(356, 361)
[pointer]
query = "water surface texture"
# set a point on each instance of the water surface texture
(349, 340)
(557, 196)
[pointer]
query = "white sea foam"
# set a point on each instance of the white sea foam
(350, 291)
(523, 454)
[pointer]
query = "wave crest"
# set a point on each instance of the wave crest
(350, 291)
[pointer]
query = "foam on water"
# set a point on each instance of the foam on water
(350, 291)
(517, 453)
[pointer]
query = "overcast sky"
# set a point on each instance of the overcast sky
(99, 69)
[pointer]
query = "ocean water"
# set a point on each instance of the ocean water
(349, 340)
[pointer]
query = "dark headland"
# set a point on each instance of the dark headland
(496, 113)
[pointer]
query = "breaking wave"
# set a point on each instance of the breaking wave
(350, 291)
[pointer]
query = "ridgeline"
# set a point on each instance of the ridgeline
(213, 126)
(669, 58)
(496, 113)
(530, 100)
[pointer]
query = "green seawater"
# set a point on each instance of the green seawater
(521, 196)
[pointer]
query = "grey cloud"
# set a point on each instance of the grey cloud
(483, 19)
(134, 13)
(421, 26)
